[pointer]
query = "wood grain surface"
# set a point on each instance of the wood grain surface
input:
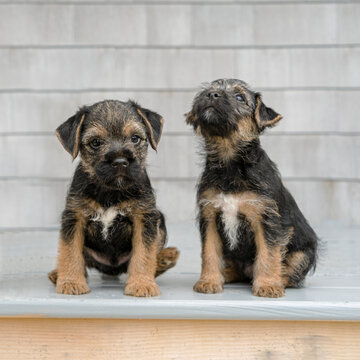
(179, 339)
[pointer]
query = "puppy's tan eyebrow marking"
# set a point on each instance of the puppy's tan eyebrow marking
(239, 90)
(133, 129)
(96, 130)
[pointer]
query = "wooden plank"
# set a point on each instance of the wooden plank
(42, 201)
(303, 111)
(129, 68)
(179, 25)
(157, 339)
(296, 156)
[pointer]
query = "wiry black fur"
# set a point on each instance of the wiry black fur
(120, 233)
(96, 181)
(247, 169)
(251, 169)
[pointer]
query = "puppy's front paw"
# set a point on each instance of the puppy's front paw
(142, 289)
(70, 287)
(270, 291)
(208, 287)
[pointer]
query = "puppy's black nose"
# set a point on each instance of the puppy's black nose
(120, 162)
(213, 95)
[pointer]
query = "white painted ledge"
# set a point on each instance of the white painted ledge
(333, 293)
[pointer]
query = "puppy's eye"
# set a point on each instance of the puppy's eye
(239, 97)
(95, 143)
(135, 139)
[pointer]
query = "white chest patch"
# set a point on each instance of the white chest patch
(229, 204)
(106, 217)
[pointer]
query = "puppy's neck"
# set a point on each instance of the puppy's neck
(223, 151)
(84, 185)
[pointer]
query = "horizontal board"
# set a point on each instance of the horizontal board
(178, 340)
(179, 25)
(176, 68)
(166, 339)
(39, 203)
(303, 111)
(313, 156)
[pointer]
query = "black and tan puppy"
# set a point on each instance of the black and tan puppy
(110, 221)
(251, 228)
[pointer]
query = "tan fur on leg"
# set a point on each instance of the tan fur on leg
(211, 280)
(143, 262)
(71, 265)
(267, 268)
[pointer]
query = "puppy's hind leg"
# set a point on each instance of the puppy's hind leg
(166, 259)
(232, 273)
(52, 276)
(297, 264)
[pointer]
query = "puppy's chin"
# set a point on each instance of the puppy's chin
(118, 183)
(115, 179)
(215, 123)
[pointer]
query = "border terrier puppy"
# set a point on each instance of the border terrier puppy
(250, 225)
(110, 221)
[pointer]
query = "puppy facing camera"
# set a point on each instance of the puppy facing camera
(111, 222)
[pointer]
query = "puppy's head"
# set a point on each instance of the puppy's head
(228, 106)
(112, 138)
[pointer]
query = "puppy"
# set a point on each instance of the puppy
(250, 225)
(111, 222)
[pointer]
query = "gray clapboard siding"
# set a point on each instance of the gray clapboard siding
(58, 55)
(164, 68)
(44, 112)
(39, 203)
(314, 156)
(182, 25)
(303, 111)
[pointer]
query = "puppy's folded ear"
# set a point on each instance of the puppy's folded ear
(265, 116)
(68, 132)
(153, 123)
(191, 119)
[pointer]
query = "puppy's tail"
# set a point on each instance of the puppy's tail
(166, 259)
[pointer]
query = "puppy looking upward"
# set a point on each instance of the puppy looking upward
(251, 227)
(111, 221)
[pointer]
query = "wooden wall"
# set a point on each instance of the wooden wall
(58, 55)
